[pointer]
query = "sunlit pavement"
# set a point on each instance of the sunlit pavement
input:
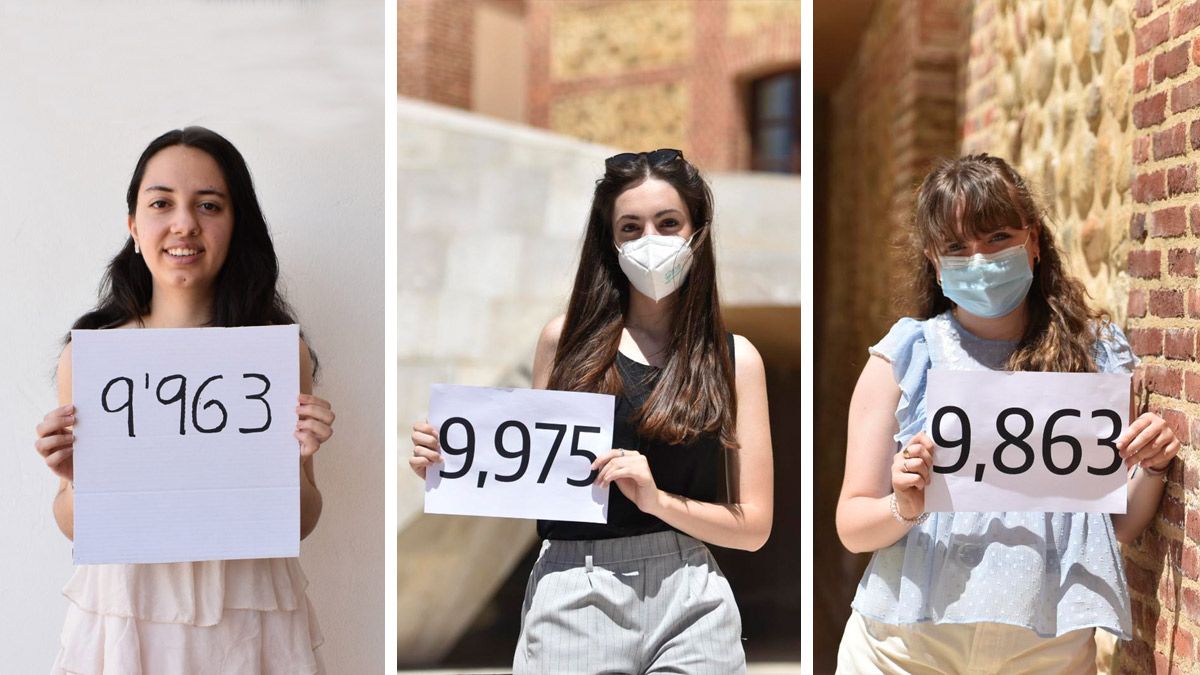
(752, 669)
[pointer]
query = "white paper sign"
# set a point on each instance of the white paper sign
(519, 453)
(1026, 441)
(184, 446)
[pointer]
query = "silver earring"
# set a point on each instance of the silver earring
(136, 249)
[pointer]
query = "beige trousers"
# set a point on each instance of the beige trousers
(870, 647)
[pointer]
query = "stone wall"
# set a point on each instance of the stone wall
(644, 74)
(894, 112)
(1048, 88)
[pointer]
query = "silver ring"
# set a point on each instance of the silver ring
(622, 452)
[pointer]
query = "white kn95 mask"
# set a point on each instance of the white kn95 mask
(656, 264)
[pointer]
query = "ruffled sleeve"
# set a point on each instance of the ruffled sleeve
(1112, 352)
(906, 348)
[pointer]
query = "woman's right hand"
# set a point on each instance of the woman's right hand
(56, 442)
(425, 448)
(910, 475)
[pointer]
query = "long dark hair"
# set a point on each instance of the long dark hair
(980, 194)
(245, 292)
(695, 392)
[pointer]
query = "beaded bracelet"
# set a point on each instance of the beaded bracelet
(901, 519)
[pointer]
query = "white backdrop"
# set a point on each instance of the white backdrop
(298, 88)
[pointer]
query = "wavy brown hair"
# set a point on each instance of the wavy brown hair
(979, 194)
(695, 391)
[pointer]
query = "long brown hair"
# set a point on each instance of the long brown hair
(695, 392)
(980, 194)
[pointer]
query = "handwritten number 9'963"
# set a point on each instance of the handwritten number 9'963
(1016, 441)
(513, 429)
(179, 394)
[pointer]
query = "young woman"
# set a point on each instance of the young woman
(983, 592)
(642, 593)
(198, 254)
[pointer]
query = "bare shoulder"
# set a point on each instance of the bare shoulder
(747, 361)
(551, 332)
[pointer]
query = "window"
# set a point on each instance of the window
(775, 122)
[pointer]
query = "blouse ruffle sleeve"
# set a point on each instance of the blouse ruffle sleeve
(906, 348)
(1112, 352)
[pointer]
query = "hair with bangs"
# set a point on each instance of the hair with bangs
(979, 194)
(695, 392)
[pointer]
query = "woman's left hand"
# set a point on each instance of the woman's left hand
(1148, 442)
(631, 472)
(315, 425)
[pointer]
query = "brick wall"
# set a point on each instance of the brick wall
(1164, 304)
(893, 113)
(434, 40)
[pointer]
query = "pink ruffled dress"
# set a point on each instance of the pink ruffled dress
(199, 618)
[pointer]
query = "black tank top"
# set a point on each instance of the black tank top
(695, 470)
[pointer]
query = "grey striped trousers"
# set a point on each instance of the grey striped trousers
(654, 603)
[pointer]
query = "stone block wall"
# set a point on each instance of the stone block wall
(1048, 87)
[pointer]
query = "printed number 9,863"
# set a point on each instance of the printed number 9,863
(518, 431)
(1015, 446)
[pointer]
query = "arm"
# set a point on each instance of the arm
(745, 523)
(64, 501)
(864, 518)
(1148, 442)
(310, 438)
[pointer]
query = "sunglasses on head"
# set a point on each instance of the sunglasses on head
(660, 156)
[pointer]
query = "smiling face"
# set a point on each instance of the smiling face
(183, 220)
(652, 207)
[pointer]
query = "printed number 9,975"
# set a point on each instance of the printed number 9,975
(513, 429)
(1015, 443)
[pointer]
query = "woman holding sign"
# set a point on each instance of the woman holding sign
(642, 593)
(199, 254)
(1002, 591)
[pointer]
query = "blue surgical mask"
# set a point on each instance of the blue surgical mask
(987, 285)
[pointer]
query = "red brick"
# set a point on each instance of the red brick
(1194, 216)
(1171, 62)
(1149, 187)
(1141, 580)
(1186, 18)
(1186, 95)
(1152, 34)
(1145, 264)
(1189, 477)
(1181, 179)
(1141, 148)
(1171, 142)
(1193, 303)
(1137, 303)
(1193, 523)
(1146, 341)
(1166, 303)
(1144, 7)
(1141, 77)
(1183, 644)
(1150, 111)
(1191, 386)
(1191, 599)
(1164, 381)
(1179, 343)
(1137, 226)
(1171, 221)
(1171, 509)
(1182, 262)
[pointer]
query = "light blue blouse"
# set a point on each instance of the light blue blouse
(1050, 572)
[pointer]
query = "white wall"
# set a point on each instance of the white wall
(298, 88)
